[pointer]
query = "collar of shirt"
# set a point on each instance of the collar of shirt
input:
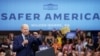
(23, 36)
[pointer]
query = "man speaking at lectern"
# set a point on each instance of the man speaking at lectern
(23, 43)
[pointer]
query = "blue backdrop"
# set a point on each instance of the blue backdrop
(49, 14)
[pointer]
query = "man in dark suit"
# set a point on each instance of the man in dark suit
(22, 44)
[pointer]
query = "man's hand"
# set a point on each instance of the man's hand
(25, 42)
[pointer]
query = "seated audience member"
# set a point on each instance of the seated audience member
(56, 45)
(54, 33)
(6, 46)
(90, 48)
(90, 43)
(59, 37)
(79, 48)
(49, 39)
(11, 37)
(42, 37)
(81, 35)
(36, 45)
(68, 48)
(36, 35)
(84, 42)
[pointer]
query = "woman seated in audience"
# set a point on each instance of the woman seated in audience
(49, 39)
(79, 48)
(56, 46)
(90, 48)
(68, 47)
(6, 46)
(59, 38)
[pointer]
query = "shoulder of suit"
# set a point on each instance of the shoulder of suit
(18, 36)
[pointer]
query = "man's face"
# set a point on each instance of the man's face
(25, 30)
(35, 34)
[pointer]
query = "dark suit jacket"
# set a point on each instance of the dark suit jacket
(23, 50)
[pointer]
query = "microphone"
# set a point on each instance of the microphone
(26, 37)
